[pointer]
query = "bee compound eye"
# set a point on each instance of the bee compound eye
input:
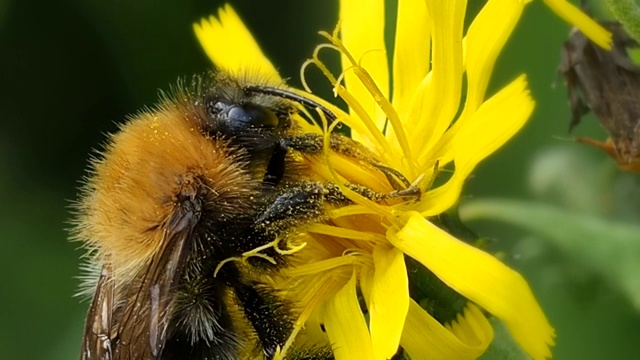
(251, 116)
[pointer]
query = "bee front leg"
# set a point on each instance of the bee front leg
(306, 202)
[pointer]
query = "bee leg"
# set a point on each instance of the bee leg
(324, 353)
(298, 204)
(272, 323)
(268, 315)
(335, 195)
(304, 203)
(271, 320)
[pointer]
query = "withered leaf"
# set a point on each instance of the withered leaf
(607, 83)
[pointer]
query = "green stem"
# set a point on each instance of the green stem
(627, 13)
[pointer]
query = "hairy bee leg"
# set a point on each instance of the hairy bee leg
(306, 202)
(335, 195)
(297, 205)
(268, 315)
(324, 353)
(270, 318)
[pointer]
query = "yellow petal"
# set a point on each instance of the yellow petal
(438, 97)
(485, 39)
(495, 122)
(232, 48)
(411, 55)
(345, 325)
(389, 300)
(362, 32)
(573, 15)
(424, 338)
(472, 327)
(481, 278)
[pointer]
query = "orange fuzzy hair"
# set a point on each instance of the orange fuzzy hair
(133, 188)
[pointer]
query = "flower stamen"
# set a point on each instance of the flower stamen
(350, 211)
(364, 116)
(379, 98)
(340, 91)
(352, 195)
(339, 232)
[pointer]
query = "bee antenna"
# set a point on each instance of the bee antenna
(290, 95)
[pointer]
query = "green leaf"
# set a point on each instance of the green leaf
(609, 248)
(627, 13)
(503, 346)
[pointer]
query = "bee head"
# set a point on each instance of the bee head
(235, 113)
(232, 118)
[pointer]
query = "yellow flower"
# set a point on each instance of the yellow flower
(418, 125)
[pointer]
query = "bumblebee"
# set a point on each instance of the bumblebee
(212, 172)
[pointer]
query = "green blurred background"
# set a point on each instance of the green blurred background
(71, 69)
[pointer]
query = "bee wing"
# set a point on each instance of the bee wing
(96, 343)
(141, 320)
(144, 324)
